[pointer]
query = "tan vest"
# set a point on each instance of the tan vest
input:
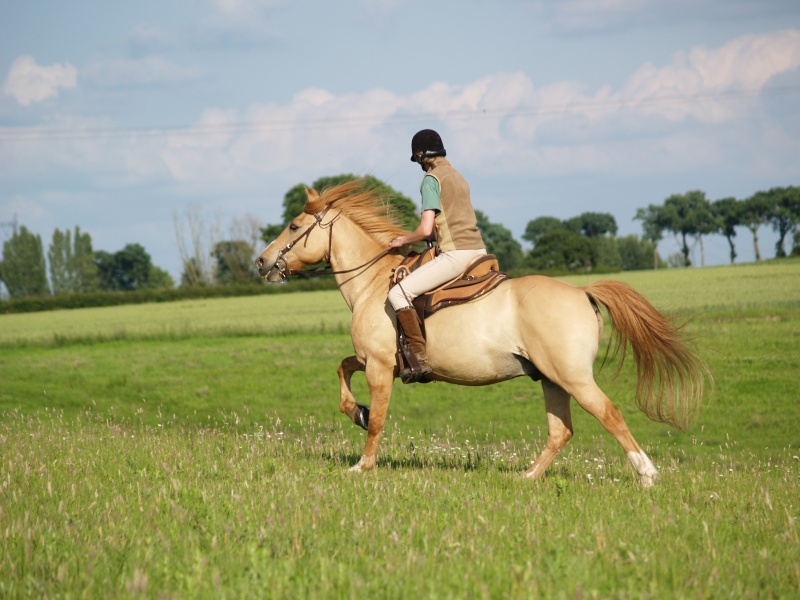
(457, 226)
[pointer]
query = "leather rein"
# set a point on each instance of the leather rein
(281, 264)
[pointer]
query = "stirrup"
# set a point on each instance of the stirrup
(410, 375)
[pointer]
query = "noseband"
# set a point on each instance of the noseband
(281, 264)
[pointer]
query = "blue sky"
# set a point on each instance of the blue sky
(123, 118)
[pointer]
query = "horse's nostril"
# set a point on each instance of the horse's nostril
(259, 262)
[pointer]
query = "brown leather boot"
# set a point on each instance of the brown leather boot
(407, 318)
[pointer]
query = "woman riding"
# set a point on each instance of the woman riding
(447, 211)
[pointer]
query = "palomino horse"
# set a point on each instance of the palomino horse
(529, 326)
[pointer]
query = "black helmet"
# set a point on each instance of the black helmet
(428, 142)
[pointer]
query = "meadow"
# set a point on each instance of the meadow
(195, 449)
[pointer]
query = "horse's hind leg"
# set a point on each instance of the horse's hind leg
(559, 427)
(591, 398)
(347, 403)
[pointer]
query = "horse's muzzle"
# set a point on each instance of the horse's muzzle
(266, 271)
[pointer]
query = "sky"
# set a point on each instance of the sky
(133, 120)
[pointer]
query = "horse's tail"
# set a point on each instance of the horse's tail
(671, 377)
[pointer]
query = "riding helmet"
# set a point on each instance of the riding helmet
(428, 142)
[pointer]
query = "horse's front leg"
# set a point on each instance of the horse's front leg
(379, 379)
(358, 413)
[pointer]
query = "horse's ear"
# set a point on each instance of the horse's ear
(312, 194)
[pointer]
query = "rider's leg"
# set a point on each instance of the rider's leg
(445, 267)
(408, 320)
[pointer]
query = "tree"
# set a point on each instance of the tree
(687, 215)
(72, 266)
(585, 242)
(23, 269)
(124, 271)
(196, 247)
(784, 213)
(560, 249)
(606, 256)
(637, 254)
(600, 228)
(404, 209)
(500, 242)
(158, 278)
(191, 274)
(755, 212)
(592, 224)
(59, 256)
(653, 226)
(234, 263)
(540, 226)
(728, 212)
(83, 267)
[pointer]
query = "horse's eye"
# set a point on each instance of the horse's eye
(293, 227)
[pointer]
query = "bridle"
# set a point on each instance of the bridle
(281, 264)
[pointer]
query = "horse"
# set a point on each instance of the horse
(533, 326)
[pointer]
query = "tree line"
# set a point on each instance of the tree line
(74, 267)
(691, 216)
(585, 243)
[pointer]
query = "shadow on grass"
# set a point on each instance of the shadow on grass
(415, 462)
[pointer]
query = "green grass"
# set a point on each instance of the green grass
(96, 508)
(195, 449)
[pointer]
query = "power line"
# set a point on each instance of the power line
(75, 133)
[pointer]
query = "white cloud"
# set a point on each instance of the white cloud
(745, 64)
(29, 82)
(500, 124)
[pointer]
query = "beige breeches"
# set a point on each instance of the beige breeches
(445, 267)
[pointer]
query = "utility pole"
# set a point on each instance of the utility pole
(12, 225)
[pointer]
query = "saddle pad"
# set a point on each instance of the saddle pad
(462, 290)
(481, 276)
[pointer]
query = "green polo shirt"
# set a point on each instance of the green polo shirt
(430, 194)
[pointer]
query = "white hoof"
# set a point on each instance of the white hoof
(358, 467)
(648, 474)
(649, 480)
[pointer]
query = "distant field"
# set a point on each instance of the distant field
(195, 449)
(688, 291)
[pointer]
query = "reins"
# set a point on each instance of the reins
(284, 273)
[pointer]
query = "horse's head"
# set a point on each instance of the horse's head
(302, 243)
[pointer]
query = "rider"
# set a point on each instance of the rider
(447, 209)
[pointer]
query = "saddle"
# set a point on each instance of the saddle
(481, 276)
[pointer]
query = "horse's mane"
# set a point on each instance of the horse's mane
(363, 205)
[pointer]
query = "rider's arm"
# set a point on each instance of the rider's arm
(423, 231)
(431, 205)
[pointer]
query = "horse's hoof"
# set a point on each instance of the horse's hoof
(362, 466)
(648, 480)
(358, 467)
(362, 417)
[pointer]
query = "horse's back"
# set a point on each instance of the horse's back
(541, 319)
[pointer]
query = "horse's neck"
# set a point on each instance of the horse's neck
(352, 248)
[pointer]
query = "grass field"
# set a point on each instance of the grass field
(195, 449)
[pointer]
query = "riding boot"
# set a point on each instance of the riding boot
(407, 318)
